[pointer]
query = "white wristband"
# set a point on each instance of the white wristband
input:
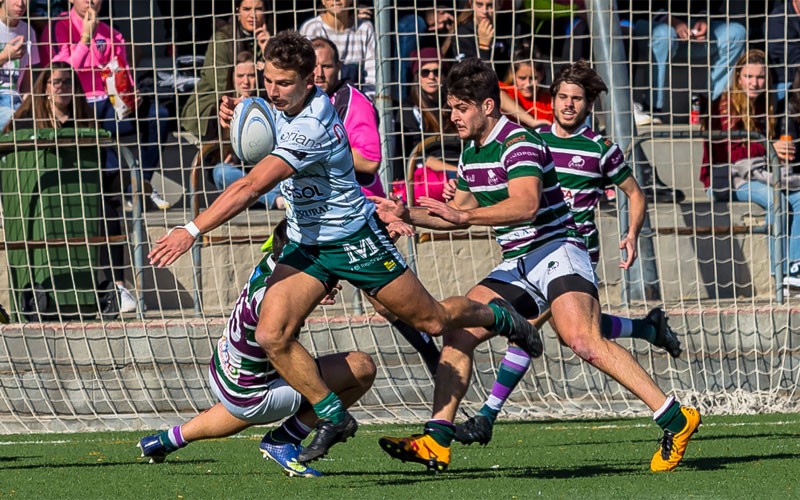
(192, 229)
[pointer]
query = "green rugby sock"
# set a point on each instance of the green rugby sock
(670, 417)
(441, 431)
(330, 407)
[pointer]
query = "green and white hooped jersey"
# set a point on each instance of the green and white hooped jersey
(324, 202)
(510, 152)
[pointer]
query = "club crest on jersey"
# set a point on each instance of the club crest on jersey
(576, 162)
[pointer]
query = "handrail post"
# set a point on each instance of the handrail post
(138, 226)
(612, 65)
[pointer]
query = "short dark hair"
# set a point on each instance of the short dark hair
(474, 81)
(580, 73)
(289, 50)
(321, 41)
(279, 238)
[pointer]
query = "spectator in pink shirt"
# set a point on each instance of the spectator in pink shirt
(89, 45)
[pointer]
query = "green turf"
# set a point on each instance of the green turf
(731, 457)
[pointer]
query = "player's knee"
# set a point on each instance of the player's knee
(274, 342)
(587, 348)
(363, 368)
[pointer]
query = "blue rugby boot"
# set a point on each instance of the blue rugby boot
(285, 454)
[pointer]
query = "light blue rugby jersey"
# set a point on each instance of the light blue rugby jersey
(324, 202)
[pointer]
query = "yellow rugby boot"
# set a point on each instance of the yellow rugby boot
(419, 448)
(672, 446)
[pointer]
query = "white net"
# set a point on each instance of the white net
(708, 263)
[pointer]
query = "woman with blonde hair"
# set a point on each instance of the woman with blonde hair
(747, 106)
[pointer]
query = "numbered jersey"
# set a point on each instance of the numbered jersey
(240, 366)
(324, 202)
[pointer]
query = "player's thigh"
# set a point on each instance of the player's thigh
(409, 300)
(289, 299)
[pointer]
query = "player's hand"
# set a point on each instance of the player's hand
(449, 191)
(628, 245)
(170, 246)
(262, 37)
(16, 48)
(390, 210)
(398, 229)
(681, 28)
(444, 211)
(226, 107)
(330, 298)
(700, 30)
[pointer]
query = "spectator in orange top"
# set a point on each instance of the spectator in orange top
(523, 84)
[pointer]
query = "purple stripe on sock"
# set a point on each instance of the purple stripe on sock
(616, 327)
(513, 366)
(500, 391)
(177, 436)
(517, 351)
(296, 429)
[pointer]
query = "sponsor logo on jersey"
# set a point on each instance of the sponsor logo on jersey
(493, 177)
(304, 192)
(514, 140)
(577, 162)
(390, 265)
(295, 137)
(313, 212)
(552, 266)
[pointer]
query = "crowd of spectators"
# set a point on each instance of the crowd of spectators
(68, 56)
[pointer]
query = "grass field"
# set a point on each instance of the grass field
(730, 457)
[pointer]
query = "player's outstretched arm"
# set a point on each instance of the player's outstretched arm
(637, 208)
(236, 197)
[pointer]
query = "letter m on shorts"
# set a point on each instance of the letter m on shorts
(363, 250)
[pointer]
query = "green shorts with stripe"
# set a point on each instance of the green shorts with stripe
(367, 259)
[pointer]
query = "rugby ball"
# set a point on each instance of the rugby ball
(252, 130)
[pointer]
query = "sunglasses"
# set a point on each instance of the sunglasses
(425, 73)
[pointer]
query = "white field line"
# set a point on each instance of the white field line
(548, 427)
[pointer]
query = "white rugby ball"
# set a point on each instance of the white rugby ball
(252, 130)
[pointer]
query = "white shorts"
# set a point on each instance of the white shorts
(280, 401)
(534, 271)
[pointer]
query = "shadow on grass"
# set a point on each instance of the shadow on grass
(719, 463)
(418, 476)
(92, 464)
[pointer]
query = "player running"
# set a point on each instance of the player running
(333, 232)
(250, 391)
(506, 179)
(586, 163)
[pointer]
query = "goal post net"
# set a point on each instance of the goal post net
(708, 263)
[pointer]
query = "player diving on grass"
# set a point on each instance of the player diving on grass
(586, 163)
(250, 391)
(507, 179)
(333, 232)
